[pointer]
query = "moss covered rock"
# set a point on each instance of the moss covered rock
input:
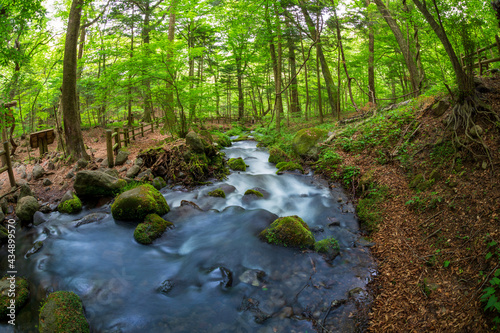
(97, 183)
(138, 202)
(254, 192)
(277, 155)
(218, 193)
(288, 166)
(26, 208)
(237, 164)
(7, 308)
(152, 228)
(159, 183)
(62, 313)
(328, 246)
(289, 231)
(70, 203)
(305, 142)
(222, 139)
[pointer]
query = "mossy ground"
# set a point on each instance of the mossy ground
(289, 231)
(152, 228)
(62, 313)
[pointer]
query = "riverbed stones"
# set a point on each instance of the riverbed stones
(217, 193)
(26, 208)
(328, 246)
(39, 218)
(20, 285)
(152, 228)
(305, 142)
(38, 172)
(289, 231)
(121, 157)
(137, 203)
(133, 171)
(237, 164)
(62, 312)
(25, 191)
(47, 182)
(96, 183)
(70, 203)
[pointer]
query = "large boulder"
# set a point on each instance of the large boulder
(305, 142)
(26, 208)
(38, 171)
(152, 227)
(138, 202)
(25, 191)
(97, 183)
(70, 203)
(289, 231)
(195, 142)
(20, 285)
(237, 164)
(61, 313)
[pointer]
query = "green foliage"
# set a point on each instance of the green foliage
(277, 155)
(350, 175)
(424, 202)
(491, 293)
(369, 210)
(329, 160)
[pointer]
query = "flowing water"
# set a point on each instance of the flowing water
(211, 273)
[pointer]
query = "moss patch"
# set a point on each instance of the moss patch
(152, 228)
(138, 202)
(218, 193)
(237, 164)
(289, 231)
(159, 183)
(277, 155)
(21, 292)
(288, 166)
(254, 192)
(222, 139)
(328, 246)
(62, 313)
(71, 206)
(305, 142)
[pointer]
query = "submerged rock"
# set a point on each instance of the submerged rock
(237, 164)
(97, 183)
(289, 231)
(152, 228)
(20, 285)
(328, 246)
(91, 218)
(137, 203)
(218, 193)
(62, 312)
(305, 142)
(253, 277)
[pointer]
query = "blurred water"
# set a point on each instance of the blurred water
(211, 273)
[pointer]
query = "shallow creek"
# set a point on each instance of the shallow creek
(211, 273)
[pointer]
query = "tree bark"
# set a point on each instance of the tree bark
(72, 129)
(371, 68)
(294, 92)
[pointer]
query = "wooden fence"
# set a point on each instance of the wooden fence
(482, 61)
(8, 163)
(122, 135)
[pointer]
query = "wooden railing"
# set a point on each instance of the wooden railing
(8, 163)
(122, 135)
(482, 61)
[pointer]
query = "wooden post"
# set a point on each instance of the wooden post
(133, 133)
(142, 130)
(109, 148)
(117, 138)
(125, 136)
(9, 164)
(152, 127)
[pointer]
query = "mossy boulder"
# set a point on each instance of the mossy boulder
(137, 203)
(328, 246)
(7, 308)
(277, 155)
(159, 183)
(218, 193)
(222, 139)
(288, 166)
(254, 192)
(97, 183)
(289, 231)
(62, 313)
(152, 228)
(305, 142)
(237, 164)
(26, 208)
(70, 203)
(417, 180)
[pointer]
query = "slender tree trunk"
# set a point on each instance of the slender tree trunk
(371, 68)
(320, 101)
(294, 92)
(72, 129)
(306, 79)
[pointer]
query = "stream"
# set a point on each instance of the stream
(211, 273)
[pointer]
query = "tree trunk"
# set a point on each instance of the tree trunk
(371, 69)
(306, 80)
(294, 92)
(170, 111)
(72, 129)
(320, 102)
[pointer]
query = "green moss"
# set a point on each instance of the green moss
(237, 164)
(222, 139)
(254, 192)
(159, 183)
(416, 180)
(329, 246)
(21, 295)
(62, 313)
(138, 202)
(288, 166)
(277, 155)
(289, 231)
(70, 206)
(152, 228)
(306, 139)
(218, 193)
(241, 138)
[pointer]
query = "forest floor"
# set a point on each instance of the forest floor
(431, 243)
